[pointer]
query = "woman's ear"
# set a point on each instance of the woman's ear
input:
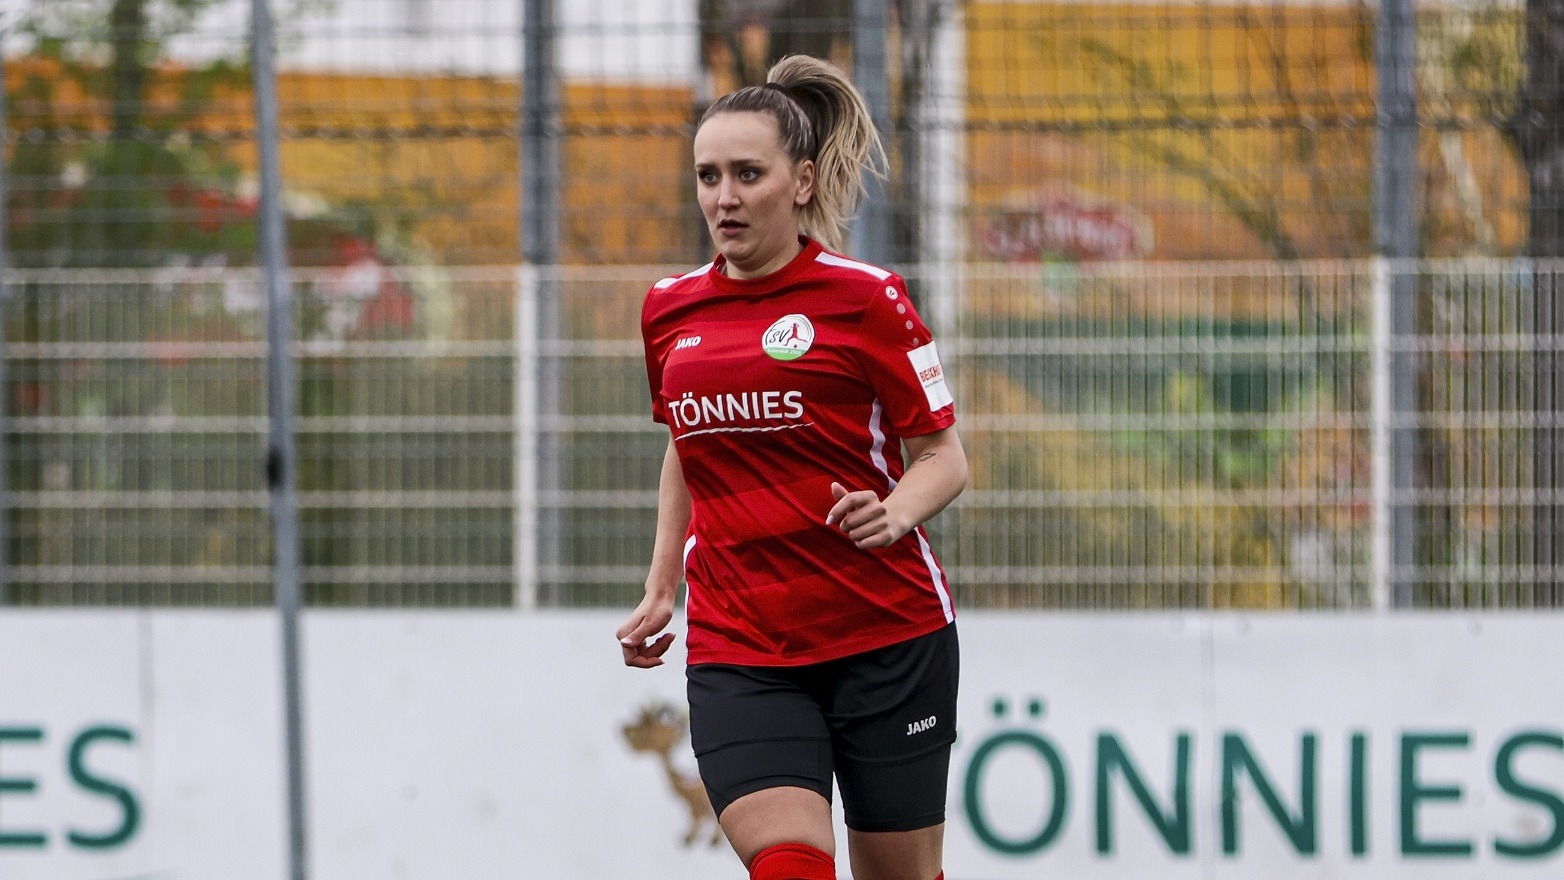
(806, 183)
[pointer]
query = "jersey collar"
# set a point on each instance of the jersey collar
(766, 283)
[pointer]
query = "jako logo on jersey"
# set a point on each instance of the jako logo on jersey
(788, 338)
(687, 342)
(920, 726)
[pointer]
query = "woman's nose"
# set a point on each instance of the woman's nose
(727, 194)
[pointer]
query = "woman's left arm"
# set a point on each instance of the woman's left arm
(935, 476)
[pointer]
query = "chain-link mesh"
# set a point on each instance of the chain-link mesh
(1140, 229)
(1165, 436)
(1141, 435)
(138, 437)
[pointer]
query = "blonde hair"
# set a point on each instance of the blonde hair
(820, 116)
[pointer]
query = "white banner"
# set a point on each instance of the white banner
(147, 746)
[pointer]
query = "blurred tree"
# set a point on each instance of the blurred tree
(125, 159)
(110, 175)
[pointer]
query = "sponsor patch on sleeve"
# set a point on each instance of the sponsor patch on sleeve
(925, 362)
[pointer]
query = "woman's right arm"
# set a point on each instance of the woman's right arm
(667, 569)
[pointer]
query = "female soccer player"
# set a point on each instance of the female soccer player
(821, 634)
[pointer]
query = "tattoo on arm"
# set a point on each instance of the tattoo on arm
(924, 457)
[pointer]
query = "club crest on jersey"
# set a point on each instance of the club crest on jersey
(788, 338)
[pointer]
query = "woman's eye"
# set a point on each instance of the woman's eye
(748, 175)
(706, 176)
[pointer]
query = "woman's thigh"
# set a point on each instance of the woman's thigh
(754, 729)
(892, 715)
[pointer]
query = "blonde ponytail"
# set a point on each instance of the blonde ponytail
(820, 116)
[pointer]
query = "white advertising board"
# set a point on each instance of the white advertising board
(147, 746)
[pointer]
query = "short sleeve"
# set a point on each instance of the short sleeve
(656, 353)
(898, 354)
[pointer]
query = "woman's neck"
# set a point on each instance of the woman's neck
(782, 258)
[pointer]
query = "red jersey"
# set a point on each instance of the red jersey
(773, 388)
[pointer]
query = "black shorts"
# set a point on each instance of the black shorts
(882, 722)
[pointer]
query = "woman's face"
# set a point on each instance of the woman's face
(750, 191)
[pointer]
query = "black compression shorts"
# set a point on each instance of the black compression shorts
(882, 722)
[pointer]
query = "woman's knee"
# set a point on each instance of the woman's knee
(774, 816)
(897, 855)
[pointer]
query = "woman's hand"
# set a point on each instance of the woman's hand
(935, 476)
(865, 518)
(649, 618)
(667, 569)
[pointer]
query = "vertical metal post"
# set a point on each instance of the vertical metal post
(5, 397)
(943, 120)
(525, 478)
(1534, 127)
(541, 131)
(871, 229)
(1395, 240)
(281, 454)
(1381, 431)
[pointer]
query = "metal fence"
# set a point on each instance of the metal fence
(138, 436)
(1145, 232)
(1190, 435)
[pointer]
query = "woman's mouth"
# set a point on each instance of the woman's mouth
(731, 228)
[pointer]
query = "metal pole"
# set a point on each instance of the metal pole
(540, 208)
(1537, 119)
(281, 454)
(871, 229)
(5, 397)
(944, 119)
(1395, 240)
(1381, 427)
(525, 327)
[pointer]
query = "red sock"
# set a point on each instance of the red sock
(792, 861)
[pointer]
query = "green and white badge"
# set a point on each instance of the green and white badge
(788, 338)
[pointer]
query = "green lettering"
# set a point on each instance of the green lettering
(130, 810)
(1413, 792)
(1236, 758)
(1504, 773)
(1359, 794)
(974, 801)
(1175, 829)
(21, 785)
